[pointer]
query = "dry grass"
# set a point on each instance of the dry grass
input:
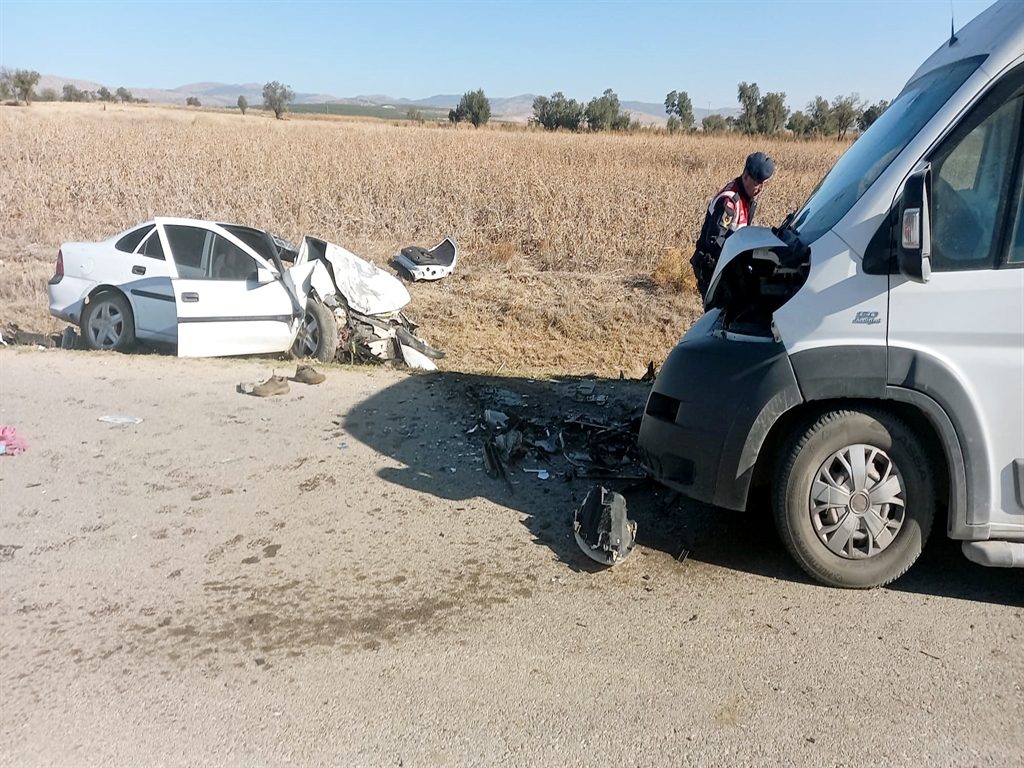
(568, 242)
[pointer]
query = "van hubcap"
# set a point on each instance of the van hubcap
(857, 503)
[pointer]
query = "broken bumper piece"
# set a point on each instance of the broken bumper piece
(601, 527)
(434, 264)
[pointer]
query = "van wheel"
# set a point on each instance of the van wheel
(854, 498)
(318, 336)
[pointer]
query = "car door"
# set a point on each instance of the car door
(960, 336)
(148, 285)
(228, 300)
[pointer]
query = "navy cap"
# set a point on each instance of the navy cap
(759, 166)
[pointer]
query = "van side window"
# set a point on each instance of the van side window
(1016, 250)
(972, 175)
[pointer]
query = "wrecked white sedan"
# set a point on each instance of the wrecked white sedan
(223, 289)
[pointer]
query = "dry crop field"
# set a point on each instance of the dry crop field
(570, 243)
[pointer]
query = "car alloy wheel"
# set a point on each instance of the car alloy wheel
(107, 323)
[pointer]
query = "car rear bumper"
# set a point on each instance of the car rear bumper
(709, 413)
(67, 297)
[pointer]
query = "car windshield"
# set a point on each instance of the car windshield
(872, 153)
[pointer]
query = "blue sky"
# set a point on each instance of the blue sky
(640, 49)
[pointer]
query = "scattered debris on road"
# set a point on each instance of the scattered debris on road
(13, 334)
(591, 437)
(120, 420)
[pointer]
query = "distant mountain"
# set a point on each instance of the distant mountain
(514, 108)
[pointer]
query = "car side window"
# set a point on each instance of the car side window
(253, 238)
(130, 242)
(229, 262)
(188, 249)
(972, 186)
(152, 247)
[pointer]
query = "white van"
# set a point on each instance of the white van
(864, 361)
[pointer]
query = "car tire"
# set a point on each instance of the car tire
(854, 498)
(108, 323)
(318, 337)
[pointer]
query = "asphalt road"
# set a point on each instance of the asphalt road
(330, 578)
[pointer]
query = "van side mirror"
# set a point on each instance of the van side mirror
(264, 275)
(914, 250)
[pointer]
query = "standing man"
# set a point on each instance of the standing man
(729, 210)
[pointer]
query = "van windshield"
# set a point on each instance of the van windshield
(872, 153)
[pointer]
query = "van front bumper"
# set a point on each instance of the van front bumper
(709, 413)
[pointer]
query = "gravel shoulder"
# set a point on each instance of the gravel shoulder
(305, 579)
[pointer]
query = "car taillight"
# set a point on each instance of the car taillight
(60, 265)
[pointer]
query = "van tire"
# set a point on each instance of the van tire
(816, 460)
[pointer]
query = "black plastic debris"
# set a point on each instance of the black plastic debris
(572, 431)
(601, 527)
(14, 335)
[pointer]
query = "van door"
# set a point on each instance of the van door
(959, 337)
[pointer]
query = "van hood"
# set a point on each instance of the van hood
(755, 241)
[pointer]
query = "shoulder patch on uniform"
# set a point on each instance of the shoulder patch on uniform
(726, 218)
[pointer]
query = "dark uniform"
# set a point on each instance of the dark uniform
(729, 210)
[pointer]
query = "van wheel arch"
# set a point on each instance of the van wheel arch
(770, 455)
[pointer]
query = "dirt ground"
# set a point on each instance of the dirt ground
(330, 577)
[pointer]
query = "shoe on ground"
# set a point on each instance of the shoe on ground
(308, 375)
(275, 385)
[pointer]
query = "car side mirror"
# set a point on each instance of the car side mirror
(264, 275)
(914, 250)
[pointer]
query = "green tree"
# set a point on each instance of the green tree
(24, 83)
(6, 83)
(243, 104)
(604, 113)
(749, 97)
(71, 93)
(414, 115)
(799, 124)
(123, 95)
(820, 114)
(277, 97)
(678, 105)
(104, 94)
(872, 113)
(557, 112)
(473, 107)
(772, 113)
(193, 101)
(713, 124)
(845, 112)
(48, 94)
